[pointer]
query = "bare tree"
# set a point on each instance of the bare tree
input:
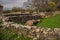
(38, 4)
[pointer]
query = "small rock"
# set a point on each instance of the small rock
(45, 32)
(38, 20)
(30, 23)
(38, 35)
(17, 26)
(59, 33)
(29, 27)
(56, 30)
(37, 30)
(34, 38)
(48, 29)
(34, 27)
(42, 29)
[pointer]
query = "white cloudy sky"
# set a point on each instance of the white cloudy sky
(12, 3)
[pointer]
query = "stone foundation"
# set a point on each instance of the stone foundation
(22, 17)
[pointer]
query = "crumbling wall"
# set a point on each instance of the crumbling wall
(35, 32)
(22, 17)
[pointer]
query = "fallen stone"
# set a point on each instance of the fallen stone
(34, 38)
(37, 30)
(29, 23)
(45, 32)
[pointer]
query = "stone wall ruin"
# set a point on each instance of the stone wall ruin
(22, 17)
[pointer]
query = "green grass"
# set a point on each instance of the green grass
(11, 34)
(52, 22)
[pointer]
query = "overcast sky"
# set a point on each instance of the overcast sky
(11, 3)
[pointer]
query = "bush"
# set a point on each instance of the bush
(6, 11)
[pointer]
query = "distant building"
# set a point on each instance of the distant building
(1, 9)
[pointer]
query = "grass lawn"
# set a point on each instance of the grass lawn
(53, 22)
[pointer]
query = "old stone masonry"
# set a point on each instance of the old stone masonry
(37, 33)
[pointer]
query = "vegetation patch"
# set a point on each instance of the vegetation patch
(53, 22)
(10, 34)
